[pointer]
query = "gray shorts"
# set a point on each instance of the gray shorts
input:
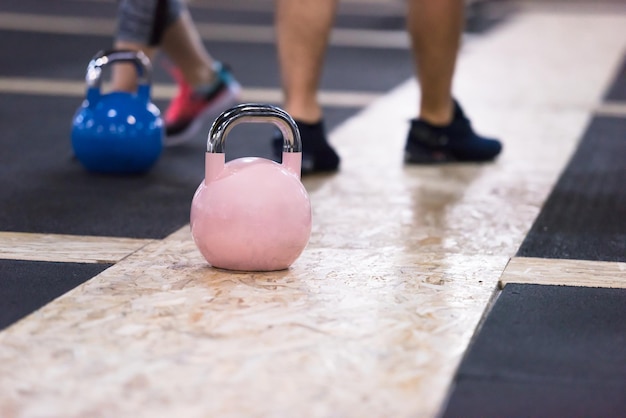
(145, 21)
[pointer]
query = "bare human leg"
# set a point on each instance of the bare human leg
(183, 45)
(303, 29)
(180, 41)
(435, 29)
(441, 132)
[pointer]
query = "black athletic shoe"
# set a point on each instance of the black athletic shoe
(317, 154)
(430, 144)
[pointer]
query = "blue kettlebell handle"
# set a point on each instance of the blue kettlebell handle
(142, 63)
(255, 113)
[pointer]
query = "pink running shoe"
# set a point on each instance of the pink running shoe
(193, 109)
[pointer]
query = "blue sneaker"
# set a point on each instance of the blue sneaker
(456, 142)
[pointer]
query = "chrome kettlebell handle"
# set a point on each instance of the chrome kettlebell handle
(255, 113)
(102, 58)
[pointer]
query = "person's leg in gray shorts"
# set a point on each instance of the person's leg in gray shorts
(144, 22)
(206, 88)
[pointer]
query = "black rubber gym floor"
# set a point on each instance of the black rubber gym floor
(617, 91)
(45, 190)
(584, 217)
(546, 351)
(25, 286)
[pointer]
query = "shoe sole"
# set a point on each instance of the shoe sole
(224, 101)
(446, 159)
(428, 159)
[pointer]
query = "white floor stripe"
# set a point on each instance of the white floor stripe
(69, 88)
(209, 31)
(67, 248)
(616, 109)
(564, 272)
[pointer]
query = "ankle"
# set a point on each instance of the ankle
(200, 76)
(305, 113)
(309, 125)
(440, 115)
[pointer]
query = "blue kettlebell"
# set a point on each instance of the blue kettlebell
(118, 132)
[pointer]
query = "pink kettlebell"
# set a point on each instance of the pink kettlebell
(251, 214)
